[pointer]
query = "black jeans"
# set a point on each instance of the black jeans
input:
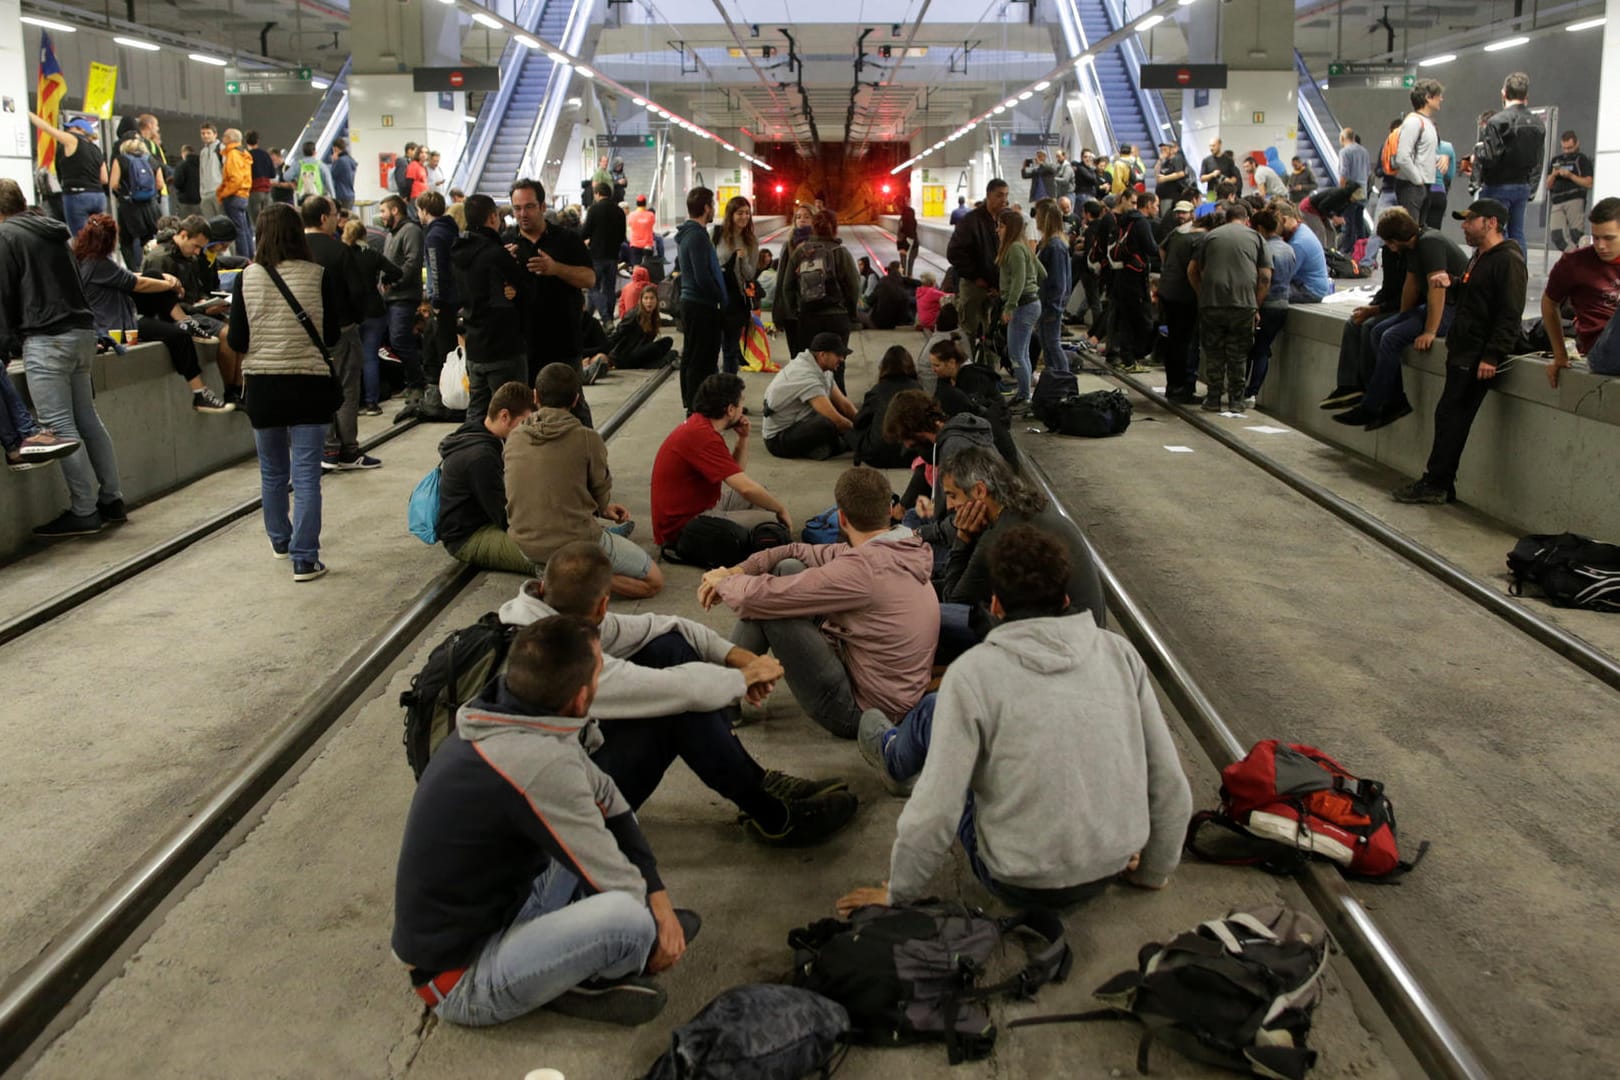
(443, 341)
(701, 356)
(1411, 197)
(1454, 415)
(813, 437)
(637, 753)
(182, 350)
(1131, 332)
(1357, 355)
(1181, 319)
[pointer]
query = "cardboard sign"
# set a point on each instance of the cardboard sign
(100, 88)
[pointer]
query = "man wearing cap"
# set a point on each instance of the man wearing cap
(1170, 174)
(1484, 330)
(806, 414)
(81, 169)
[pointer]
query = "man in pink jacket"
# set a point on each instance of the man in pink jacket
(853, 625)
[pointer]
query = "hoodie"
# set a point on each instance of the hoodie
(699, 266)
(437, 240)
(509, 793)
(482, 269)
(628, 691)
(557, 482)
(40, 291)
(403, 248)
(1052, 724)
(472, 485)
(882, 616)
(631, 296)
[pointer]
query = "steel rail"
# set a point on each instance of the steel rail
(33, 998)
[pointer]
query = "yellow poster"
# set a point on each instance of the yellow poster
(933, 200)
(723, 194)
(100, 88)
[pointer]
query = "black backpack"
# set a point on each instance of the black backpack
(758, 1032)
(907, 974)
(710, 541)
(1341, 265)
(1050, 391)
(1236, 992)
(457, 669)
(1091, 416)
(1570, 570)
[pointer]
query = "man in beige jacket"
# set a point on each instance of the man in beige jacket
(559, 486)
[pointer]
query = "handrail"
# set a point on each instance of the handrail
(334, 94)
(470, 169)
(551, 104)
(1312, 106)
(1086, 76)
(1156, 111)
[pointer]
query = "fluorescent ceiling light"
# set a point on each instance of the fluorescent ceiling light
(1512, 42)
(999, 109)
(1083, 60)
(484, 18)
(585, 73)
(49, 25)
(1026, 95)
(640, 102)
(1436, 61)
(1149, 23)
(1184, 3)
(1042, 85)
(1584, 24)
(526, 41)
(557, 58)
(137, 43)
(729, 147)
(320, 84)
(1011, 102)
(217, 62)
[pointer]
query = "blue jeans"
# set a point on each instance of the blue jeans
(607, 287)
(956, 633)
(58, 368)
(1604, 359)
(1515, 197)
(905, 746)
(235, 208)
(1051, 330)
(1272, 320)
(293, 452)
(1019, 331)
(78, 207)
(553, 944)
(373, 333)
(1390, 342)
(16, 422)
(403, 340)
(1386, 200)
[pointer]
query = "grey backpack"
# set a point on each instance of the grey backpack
(758, 1032)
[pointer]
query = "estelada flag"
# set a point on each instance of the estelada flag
(52, 89)
(756, 347)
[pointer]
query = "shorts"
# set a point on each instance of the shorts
(629, 558)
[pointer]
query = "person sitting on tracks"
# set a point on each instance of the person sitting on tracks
(512, 894)
(917, 422)
(806, 414)
(854, 624)
(668, 690)
(695, 474)
(962, 387)
(558, 483)
(893, 300)
(1054, 766)
(472, 485)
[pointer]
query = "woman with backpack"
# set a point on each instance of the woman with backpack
(738, 249)
(782, 313)
(822, 285)
(1055, 259)
(370, 266)
(1021, 278)
(134, 180)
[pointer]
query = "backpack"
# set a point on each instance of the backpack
(457, 669)
(1237, 992)
(1138, 174)
(1386, 156)
(758, 1032)
(1570, 570)
(142, 180)
(1123, 254)
(309, 181)
(1341, 265)
(821, 529)
(1050, 390)
(423, 509)
(1290, 801)
(907, 974)
(1090, 416)
(711, 541)
(814, 275)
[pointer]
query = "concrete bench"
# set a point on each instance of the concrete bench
(1539, 459)
(161, 441)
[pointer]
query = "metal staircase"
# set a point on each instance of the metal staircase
(1136, 116)
(331, 118)
(500, 138)
(1318, 140)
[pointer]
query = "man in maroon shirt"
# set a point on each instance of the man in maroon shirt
(694, 462)
(1589, 278)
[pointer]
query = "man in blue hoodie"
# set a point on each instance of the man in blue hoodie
(703, 294)
(524, 879)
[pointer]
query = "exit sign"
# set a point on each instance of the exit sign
(269, 82)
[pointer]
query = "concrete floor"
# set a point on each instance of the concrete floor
(279, 960)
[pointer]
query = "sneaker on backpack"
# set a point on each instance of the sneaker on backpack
(206, 401)
(628, 1001)
(809, 821)
(874, 733)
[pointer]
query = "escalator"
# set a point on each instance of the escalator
(1128, 112)
(331, 118)
(500, 139)
(1318, 140)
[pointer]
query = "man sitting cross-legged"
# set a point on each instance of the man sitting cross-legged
(667, 685)
(472, 484)
(854, 624)
(524, 879)
(1045, 753)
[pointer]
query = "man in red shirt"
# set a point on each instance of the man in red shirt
(694, 462)
(1589, 278)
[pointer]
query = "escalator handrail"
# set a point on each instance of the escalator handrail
(1312, 107)
(1154, 110)
(1102, 124)
(551, 103)
(469, 171)
(334, 96)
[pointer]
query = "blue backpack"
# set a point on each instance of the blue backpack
(423, 513)
(142, 180)
(821, 529)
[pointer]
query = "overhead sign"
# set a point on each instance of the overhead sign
(1183, 76)
(627, 140)
(269, 82)
(430, 79)
(1366, 75)
(100, 88)
(1030, 138)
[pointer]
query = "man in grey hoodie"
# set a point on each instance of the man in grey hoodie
(667, 689)
(1045, 754)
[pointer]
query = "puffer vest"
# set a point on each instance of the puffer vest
(277, 342)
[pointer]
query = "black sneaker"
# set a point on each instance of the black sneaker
(629, 1001)
(112, 511)
(68, 523)
(1356, 417)
(787, 788)
(206, 401)
(1389, 415)
(364, 461)
(308, 571)
(1342, 398)
(1421, 491)
(1212, 403)
(691, 923)
(809, 821)
(1182, 397)
(234, 395)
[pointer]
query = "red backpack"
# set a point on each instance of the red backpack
(1297, 802)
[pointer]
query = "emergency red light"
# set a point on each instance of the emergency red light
(885, 189)
(780, 188)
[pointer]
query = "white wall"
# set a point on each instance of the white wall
(163, 82)
(16, 138)
(1230, 114)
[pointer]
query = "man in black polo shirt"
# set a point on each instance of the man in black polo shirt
(559, 265)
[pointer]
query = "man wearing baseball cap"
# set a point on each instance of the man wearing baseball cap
(1170, 175)
(806, 414)
(81, 168)
(1480, 343)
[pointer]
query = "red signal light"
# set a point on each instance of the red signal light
(780, 188)
(885, 188)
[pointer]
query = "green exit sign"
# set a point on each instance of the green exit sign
(269, 82)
